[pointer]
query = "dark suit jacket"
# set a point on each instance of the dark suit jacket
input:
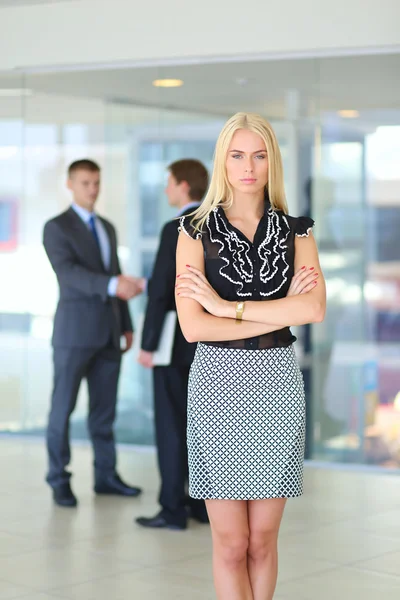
(86, 316)
(161, 298)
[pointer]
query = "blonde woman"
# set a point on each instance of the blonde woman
(246, 272)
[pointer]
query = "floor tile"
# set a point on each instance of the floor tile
(149, 547)
(386, 563)
(13, 544)
(340, 543)
(52, 568)
(341, 540)
(40, 596)
(344, 583)
(145, 583)
(387, 523)
(8, 590)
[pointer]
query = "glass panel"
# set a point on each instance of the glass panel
(147, 143)
(382, 295)
(338, 207)
(51, 131)
(355, 197)
(15, 322)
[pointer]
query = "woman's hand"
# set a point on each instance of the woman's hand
(194, 285)
(303, 281)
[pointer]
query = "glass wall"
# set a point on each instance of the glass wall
(39, 137)
(356, 356)
(338, 124)
(141, 143)
(14, 323)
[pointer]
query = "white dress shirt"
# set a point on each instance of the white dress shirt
(191, 205)
(105, 246)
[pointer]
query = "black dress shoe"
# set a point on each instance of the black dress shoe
(63, 495)
(160, 522)
(113, 484)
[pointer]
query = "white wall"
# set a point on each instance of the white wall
(93, 31)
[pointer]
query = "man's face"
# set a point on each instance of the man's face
(175, 192)
(85, 187)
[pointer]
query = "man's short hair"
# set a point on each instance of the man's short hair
(85, 164)
(194, 173)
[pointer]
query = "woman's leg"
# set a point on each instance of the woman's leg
(264, 521)
(230, 535)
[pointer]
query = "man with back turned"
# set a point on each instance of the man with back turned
(187, 184)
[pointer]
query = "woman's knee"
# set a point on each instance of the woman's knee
(232, 548)
(262, 544)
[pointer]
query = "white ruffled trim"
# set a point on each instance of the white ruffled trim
(241, 262)
(274, 245)
(306, 234)
(182, 228)
(276, 236)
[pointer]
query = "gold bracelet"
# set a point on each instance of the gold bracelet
(239, 311)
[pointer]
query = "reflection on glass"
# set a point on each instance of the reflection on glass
(154, 158)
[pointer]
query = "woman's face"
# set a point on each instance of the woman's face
(247, 162)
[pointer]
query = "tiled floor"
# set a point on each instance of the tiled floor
(341, 541)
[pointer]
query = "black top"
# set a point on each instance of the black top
(241, 270)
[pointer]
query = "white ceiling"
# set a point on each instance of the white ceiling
(369, 84)
(366, 82)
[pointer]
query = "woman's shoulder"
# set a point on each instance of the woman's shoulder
(188, 225)
(301, 226)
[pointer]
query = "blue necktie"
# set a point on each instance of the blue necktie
(92, 226)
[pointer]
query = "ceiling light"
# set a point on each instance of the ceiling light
(11, 92)
(349, 114)
(167, 83)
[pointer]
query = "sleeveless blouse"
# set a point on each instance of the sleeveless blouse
(238, 269)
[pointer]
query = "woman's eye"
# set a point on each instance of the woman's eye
(236, 156)
(261, 156)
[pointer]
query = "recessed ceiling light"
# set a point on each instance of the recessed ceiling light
(349, 114)
(167, 83)
(11, 92)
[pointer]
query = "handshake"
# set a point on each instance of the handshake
(129, 287)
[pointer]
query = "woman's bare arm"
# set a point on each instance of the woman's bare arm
(293, 310)
(195, 323)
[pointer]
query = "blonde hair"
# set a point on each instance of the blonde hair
(220, 192)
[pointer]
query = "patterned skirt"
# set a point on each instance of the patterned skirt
(246, 424)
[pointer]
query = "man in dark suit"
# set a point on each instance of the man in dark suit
(187, 184)
(92, 314)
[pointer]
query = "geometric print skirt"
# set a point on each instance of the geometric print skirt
(246, 424)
